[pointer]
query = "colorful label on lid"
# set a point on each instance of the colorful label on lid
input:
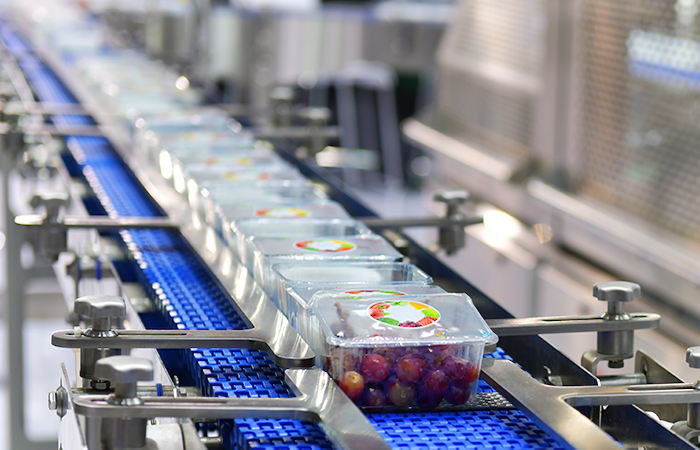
(282, 213)
(246, 176)
(325, 245)
(404, 314)
(242, 161)
(361, 294)
(203, 137)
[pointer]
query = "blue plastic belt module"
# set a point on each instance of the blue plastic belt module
(189, 297)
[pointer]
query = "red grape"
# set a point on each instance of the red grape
(374, 395)
(375, 368)
(442, 352)
(401, 394)
(457, 395)
(342, 361)
(432, 388)
(410, 368)
(352, 384)
(392, 354)
(465, 372)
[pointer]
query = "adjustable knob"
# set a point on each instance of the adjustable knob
(124, 372)
(618, 344)
(617, 293)
(454, 237)
(52, 202)
(101, 309)
(281, 99)
(453, 198)
(692, 357)
(316, 118)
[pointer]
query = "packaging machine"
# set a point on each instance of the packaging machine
(201, 345)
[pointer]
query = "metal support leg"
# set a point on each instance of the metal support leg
(17, 278)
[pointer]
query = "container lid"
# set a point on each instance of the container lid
(308, 296)
(303, 210)
(327, 247)
(337, 274)
(409, 321)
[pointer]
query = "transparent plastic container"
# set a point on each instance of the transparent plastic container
(231, 220)
(247, 195)
(352, 246)
(416, 352)
(155, 143)
(175, 121)
(231, 182)
(271, 232)
(299, 304)
(203, 159)
(297, 283)
(223, 137)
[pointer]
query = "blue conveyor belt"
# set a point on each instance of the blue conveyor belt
(189, 297)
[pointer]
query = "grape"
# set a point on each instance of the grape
(442, 353)
(392, 354)
(457, 395)
(375, 368)
(410, 368)
(342, 361)
(374, 395)
(450, 365)
(465, 372)
(432, 388)
(400, 393)
(352, 384)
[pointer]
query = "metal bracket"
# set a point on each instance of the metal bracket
(553, 407)
(318, 399)
(97, 222)
(413, 222)
(16, 108)
(570, 324)
(286, 351)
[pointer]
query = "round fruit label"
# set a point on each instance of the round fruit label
(360, 294)
(202, 137)
(282, 213)
(246, 176)
(216, 160)
(402, 313)
(325, 245)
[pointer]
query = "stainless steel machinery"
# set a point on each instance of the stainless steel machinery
(232, 370)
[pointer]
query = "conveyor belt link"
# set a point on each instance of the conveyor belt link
(190, 298)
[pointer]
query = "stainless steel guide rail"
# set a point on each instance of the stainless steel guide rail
(552, 407)
(318, 399)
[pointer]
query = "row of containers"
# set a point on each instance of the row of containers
(387, 336)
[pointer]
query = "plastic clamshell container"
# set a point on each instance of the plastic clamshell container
(207, 138)
(248, 195)
(174, 121)
(300, 302)
(417, 352)
(297, 283)
(272, 232)
(190, 183)
(232, 220)
(172, 161)
(353, 246)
